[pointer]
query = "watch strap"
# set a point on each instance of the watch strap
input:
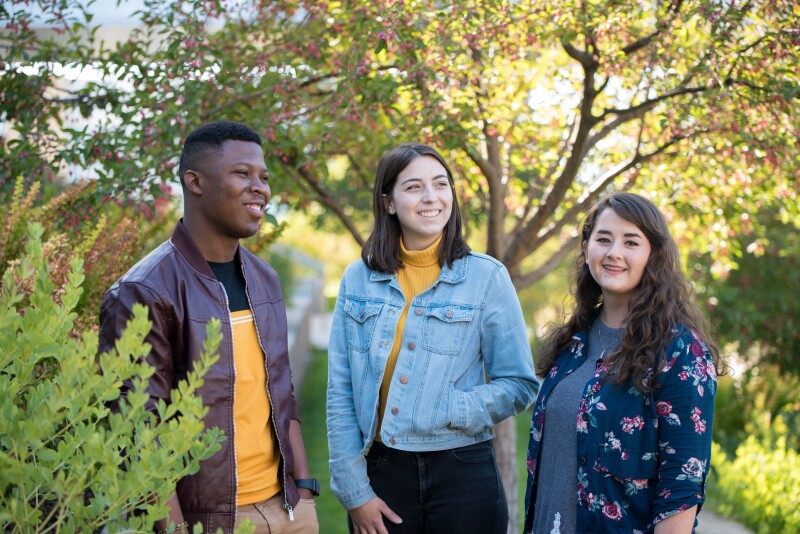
(311, 484)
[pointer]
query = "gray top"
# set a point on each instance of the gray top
(557, 488)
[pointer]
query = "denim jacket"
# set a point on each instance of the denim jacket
(641, 457)
(465, 327)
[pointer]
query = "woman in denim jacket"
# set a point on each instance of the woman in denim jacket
(621, 433)
(428, 351)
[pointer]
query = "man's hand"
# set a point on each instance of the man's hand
(305, 493)
(368, 518)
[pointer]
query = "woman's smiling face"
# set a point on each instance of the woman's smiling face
(422, 199)
(616, 253)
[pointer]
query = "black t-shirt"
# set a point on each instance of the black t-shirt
(230, 274)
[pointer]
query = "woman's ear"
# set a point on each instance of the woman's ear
(388, 205)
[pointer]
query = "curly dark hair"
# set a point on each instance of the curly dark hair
(381, 252)
(663, 302)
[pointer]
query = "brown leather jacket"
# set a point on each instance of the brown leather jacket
(177, 284)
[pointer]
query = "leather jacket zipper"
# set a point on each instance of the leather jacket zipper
(286, 505)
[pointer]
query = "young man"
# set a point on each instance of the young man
(261, 472)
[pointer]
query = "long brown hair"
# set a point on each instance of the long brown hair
(663, 301)
(381, 252)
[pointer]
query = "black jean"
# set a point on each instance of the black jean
(454, 491)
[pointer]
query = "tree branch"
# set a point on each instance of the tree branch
(564, 144)
(324, 196)
(644, 42)
(516, 250)
(247, 97)
(522, 281)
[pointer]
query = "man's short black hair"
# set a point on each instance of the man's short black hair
(210, 136)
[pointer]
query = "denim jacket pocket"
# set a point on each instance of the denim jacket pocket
(445, 328)
(362, 316)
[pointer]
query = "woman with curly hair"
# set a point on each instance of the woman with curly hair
(621, 432)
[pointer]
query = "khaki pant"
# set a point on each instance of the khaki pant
(270, 517)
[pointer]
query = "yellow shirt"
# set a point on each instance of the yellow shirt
(257, 455)
(420, 270)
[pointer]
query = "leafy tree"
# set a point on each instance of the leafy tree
(755, 306)
(542, 108)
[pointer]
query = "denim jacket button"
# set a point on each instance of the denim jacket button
(411, 345)
(395, 410)
(392, 441)
(449, 314)
(419, 311)
(404, 380)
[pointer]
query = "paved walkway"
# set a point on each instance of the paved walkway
(711, 523)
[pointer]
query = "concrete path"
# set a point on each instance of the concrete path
(711, 523)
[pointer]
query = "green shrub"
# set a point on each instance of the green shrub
(67, 464)
(764, 404)
(758, 486)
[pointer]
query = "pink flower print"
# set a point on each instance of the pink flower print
(583, 425)
(698, 370)
(664, 493)
(629, 424)
(553, 371)
(699, 422)
(691, 470)
(663, 408)
(700, 427)
(683, 375)
(693, 467)
(531, 465)
(614, 444)
(612, 511)
(697, 348)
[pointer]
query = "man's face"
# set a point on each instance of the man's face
(235, 190)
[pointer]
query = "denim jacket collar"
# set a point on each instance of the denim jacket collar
(452, 275)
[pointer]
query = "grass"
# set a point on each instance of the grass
(331, 515)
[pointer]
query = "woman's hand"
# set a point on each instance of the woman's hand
(368, 518)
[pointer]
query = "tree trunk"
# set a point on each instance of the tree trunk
(505, 446)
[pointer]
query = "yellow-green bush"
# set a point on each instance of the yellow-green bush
(67, 464)
(759, 486)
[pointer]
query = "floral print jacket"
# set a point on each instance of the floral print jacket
(641, 457)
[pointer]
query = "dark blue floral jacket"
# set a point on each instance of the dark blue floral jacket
(641, 457)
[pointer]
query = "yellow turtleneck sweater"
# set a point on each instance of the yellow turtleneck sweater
(420, 270)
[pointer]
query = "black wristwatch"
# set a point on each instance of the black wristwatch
(311, 484)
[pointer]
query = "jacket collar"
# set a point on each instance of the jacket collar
(451, 275)
(183, 242)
